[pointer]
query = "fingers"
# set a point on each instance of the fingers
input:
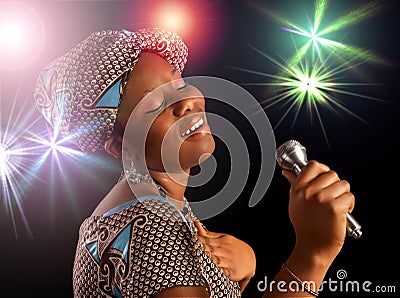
(291, 177)
(211, 247)
(201, 230)
(338, 195)
(311, 171)
(219, 258)
(318, 183)
(205, 238)
(324, 180)
(334, 190)
(227, 271)
(326, 186)
(215, 248)
(206, 243)
(210, 250)
(329, 189)
(344, 203)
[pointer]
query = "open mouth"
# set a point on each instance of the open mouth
(193, 128)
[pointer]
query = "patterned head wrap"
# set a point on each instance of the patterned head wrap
(79, 92)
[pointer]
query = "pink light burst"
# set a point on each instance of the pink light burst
(201, 24)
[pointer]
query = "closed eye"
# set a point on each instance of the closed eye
(182, 87)
(180, 84)
(161, 106)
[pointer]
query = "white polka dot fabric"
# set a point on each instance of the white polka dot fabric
(140, 250)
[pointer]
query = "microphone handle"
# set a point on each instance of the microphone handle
(353, 227)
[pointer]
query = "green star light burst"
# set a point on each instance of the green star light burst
(310, 86)
(315, 76)
(312, 38)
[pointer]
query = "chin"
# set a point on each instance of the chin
(193, 152)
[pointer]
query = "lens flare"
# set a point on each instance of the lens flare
(21, 34)
(200, 23)
(31, 155)
(3, 160)
(173, 18)
(15, 162)
(60, 161)
(318, 40)
(310, 85)
(10, 35)
(314, 77)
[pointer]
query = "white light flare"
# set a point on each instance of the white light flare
(10, 160)
(14, 177)
(3, 161)
(10, 35)
(21, 35)
(174, 18)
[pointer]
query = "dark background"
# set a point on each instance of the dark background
(38, 230)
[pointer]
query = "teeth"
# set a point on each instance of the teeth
(194, 127)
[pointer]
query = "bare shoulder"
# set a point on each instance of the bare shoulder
(118, 195)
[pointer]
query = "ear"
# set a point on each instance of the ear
(113, 146)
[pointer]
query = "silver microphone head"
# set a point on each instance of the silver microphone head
(291, 156)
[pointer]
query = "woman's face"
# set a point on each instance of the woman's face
(172, 116)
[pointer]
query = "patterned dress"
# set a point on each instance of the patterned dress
(142, 247)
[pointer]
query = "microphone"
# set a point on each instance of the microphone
(292, 156)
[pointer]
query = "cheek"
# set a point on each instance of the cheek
(156, 138)
(177, 154)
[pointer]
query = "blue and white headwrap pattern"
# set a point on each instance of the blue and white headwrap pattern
(79, 93)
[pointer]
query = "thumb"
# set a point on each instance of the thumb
(290, 176)
(200, 228)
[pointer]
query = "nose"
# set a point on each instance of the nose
(183, 106)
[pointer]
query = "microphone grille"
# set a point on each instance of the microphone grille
(284, 148)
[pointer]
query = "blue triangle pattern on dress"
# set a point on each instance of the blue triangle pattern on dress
(122, 242)
(111, 98)
(117, 292)
(46, 76)
(93, 250)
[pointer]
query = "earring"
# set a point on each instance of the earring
(134, 177)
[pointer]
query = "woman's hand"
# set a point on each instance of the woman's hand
(233, 256)
(319, 202)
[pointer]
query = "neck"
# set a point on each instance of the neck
(174, 185)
